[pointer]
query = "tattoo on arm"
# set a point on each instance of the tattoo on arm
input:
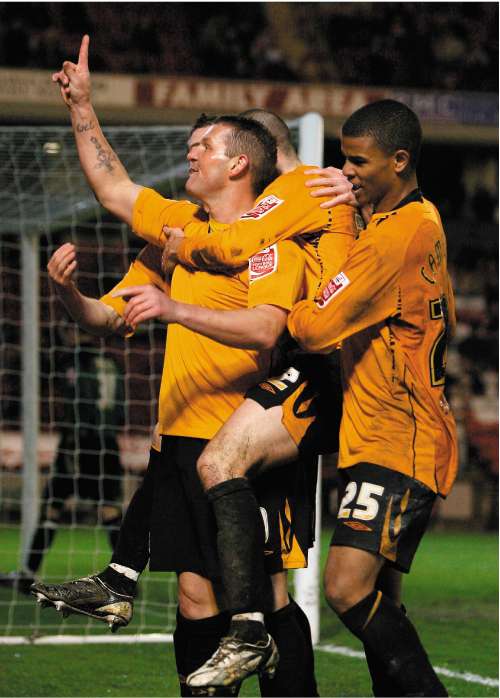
(85, 126)
(105, 158)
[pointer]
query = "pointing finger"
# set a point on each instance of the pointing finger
(83, 56)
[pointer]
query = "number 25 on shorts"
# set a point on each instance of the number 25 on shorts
(364, 505)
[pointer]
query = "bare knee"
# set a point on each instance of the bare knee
(196, 597)
(219, 463)
(350, 575)
(210, 470)
(341, 594)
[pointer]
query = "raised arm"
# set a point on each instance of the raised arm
(105, 173)
(90, 314)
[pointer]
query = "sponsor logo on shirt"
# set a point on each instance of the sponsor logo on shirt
(333, 287)
(262, 209)
(263, 263)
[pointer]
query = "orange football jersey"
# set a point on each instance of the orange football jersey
(391, 305)
(145, 269)
(204, 381)
(285, 209)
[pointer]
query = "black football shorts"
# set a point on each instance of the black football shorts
(382, 511)
(183, 528)
(311, 413)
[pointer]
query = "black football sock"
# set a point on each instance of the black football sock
(310, 685)
(132, 547)
(195, 641)
(248, 630)
(240, 540)
(382, 626)
(118, 582)
(42, 540)
(383, 685)
(112, 527)
(294, 674)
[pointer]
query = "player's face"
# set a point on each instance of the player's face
(369, 169)
(208, 163)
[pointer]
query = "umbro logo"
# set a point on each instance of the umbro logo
(357, 525)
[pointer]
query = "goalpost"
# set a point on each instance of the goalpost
(45, 201)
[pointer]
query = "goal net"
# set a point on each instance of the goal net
(71, 402)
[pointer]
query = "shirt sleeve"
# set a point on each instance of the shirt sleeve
(152, 211)
(145, 269)
(285, 209)
(277, 276)
(362, 294)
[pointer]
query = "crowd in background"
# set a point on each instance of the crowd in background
(444, 46)
(472, 375)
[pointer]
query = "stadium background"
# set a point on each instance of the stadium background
(163, 63)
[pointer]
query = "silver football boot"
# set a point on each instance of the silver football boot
(232, 662)
(88, 596)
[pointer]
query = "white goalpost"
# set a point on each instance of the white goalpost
(45, 201)
(307, 581)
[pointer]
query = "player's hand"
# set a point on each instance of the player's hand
(74, 78)
(62, 265)
(146, 303)
(172, 238)
(330, 181)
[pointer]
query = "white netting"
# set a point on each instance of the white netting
(44, 194)
(43, 191)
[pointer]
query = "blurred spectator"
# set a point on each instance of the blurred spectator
(473, 371)
(481, 422)
(432, 45)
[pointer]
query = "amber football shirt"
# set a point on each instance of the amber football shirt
(204, 381)
(391, 305)
(285, 209)
(145, 269)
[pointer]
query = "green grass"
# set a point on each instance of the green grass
(451, 597)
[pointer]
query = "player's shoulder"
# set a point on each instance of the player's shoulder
(410, 216)
(152, 198)
(292, 248)
(281, 256)
(284, 189)
(286, 182)
(283, 248)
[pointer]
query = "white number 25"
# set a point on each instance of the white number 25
(366, 498)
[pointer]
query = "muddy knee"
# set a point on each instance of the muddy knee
(218, 464)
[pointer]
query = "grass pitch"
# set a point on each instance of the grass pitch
(451, 596)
